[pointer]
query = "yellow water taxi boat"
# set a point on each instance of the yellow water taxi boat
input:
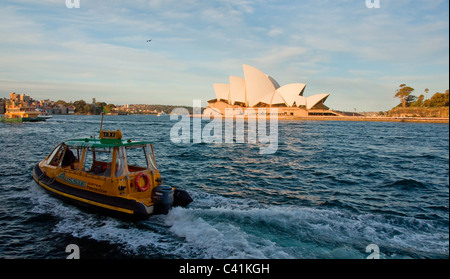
(108, 173)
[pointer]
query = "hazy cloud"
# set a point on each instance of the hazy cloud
(337, 47)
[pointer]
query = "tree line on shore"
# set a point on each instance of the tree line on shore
(82, 107)
(407, 99)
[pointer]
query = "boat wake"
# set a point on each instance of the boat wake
(218, 227)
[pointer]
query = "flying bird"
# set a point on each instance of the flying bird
(148, 41)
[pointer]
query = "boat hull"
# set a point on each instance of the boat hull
(24, 119)
(98, 202)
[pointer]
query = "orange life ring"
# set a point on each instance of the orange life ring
(147, 182)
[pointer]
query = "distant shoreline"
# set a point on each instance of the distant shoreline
(343, 118)
(364, 118)
(376, 119)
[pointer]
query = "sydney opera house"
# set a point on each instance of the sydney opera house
(258, 90)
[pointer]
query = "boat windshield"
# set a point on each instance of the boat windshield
(65, 156)
(71, 158)
(55, 156)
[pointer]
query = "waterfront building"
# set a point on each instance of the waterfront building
(258, 90)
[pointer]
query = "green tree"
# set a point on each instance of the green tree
(403, 94)
(410, 100)
(87, 109)
(79, 106)
(438, 100)
(419, 101)
(61, 102)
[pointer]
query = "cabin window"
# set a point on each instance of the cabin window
(150, 156)
(88, 160)
(136, 158)
(120, 161)
(98, 161)
(140, 157)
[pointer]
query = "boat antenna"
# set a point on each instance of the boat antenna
(101, 123)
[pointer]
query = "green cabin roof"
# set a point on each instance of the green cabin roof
(93, 142)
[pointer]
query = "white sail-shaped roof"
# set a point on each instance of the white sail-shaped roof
(315, 99)
(267, 99)
(300, 101)
(237, 90)
(258, 86)
(222, 91)
(277, 99)
(290, 91)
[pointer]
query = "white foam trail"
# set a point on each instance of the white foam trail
(234, 229)
(218, 227)
(220, 239)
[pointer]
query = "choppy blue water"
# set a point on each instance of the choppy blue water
(331, 189)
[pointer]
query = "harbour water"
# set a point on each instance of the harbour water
(331, 189)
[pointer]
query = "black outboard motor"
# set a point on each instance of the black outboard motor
(162, 197)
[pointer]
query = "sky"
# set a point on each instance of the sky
(359, 55)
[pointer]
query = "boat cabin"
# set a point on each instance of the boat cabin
(100, 164)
